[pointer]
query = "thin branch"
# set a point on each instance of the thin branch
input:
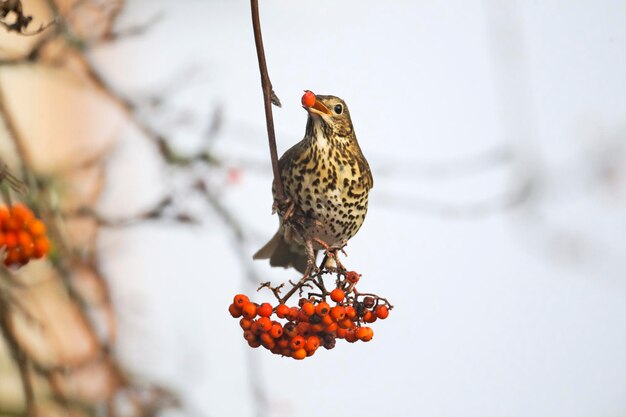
(268, 98)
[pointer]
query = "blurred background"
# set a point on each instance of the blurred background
(496, 134)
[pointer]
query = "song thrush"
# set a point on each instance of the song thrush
(326, 180)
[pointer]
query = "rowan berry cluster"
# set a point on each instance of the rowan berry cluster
(313, 323)
(22, 236)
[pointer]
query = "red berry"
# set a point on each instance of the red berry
(352, 277)
(308, 99)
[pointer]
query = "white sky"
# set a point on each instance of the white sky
(514, 314)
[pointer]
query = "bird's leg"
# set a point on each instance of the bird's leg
(332, 251)
(310, 255)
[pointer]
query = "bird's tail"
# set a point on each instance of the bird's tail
(280, 253)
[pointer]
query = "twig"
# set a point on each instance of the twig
(269, 97)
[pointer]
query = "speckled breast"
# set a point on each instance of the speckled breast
(330, 190)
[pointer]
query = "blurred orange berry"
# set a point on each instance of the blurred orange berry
(37, 228)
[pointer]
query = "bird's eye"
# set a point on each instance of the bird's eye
(338, 109)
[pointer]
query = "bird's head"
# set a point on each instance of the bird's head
(328, 114)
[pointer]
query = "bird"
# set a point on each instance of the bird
(327, 180)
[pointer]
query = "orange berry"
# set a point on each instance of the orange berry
(240, 300)
(322, 308)
(42, 247)
(283, 343)
(327, 320)
(352, 277)
(297, 342)
(316, 328)
(293, 313)
(282, 310)
(302, 328)
(265, 324)
(299, 354)
(290, 330)
(267, 340)
(308, 99)
(254, 343)
(10, 240)
(249, 310)
(234, 310)
(37, 228)
(276, 331)
(308, 308)
(351, 336)
(312, 343)
(364, 333)
(338, 313)
(264, 310)
(249, 335)
(382, 312)
(345, 323)
(245, 323)
(337, 295)
(351, 312)
(341, 332)
(369, 317)
(1, 239)
(331, 328)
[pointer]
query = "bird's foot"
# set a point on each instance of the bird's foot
(332, 260)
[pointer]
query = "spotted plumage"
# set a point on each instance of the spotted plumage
(327, 179)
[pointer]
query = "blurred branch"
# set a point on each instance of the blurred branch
(8, 332)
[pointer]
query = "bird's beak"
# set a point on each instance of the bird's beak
(318, 108)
